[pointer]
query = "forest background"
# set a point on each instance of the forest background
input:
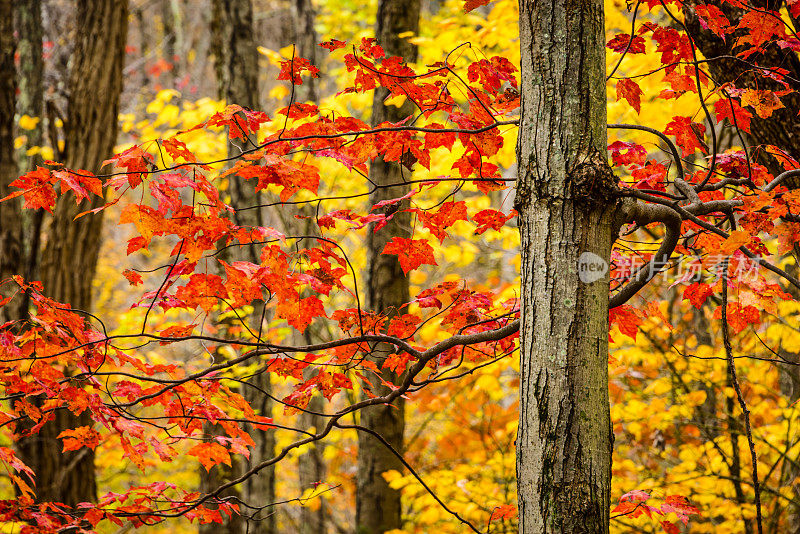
(677, 421)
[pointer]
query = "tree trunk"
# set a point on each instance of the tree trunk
(311, 467)
(306, 41)
(781, 129)
(30, 101)
(71, 247)
(237, 81)
(564, 442)
(10, 229)
(378, 507)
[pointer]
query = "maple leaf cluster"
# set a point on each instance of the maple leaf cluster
(64, 359)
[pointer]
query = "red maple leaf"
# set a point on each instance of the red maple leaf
(712, 18)
(333, 44)
(627, 319)
(504, 511)
(688, 134)
(623, 41)
(210, 454)
(291, 70)
(728, 108)
(762, 25)
(410, 252)
(83, 436)
(697, 294)
(490, 218)
(469, 5)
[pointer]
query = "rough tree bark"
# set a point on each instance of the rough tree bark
(306, 41)
(71, 248)
(378, 507)
(237, 81)
(10, 229)
(780, 129)
(565, 210)
(30, 101)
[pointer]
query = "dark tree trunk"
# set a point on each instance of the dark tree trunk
(782, 129)
(10, 228)
(564, 441)
(306, 41)
(71, 247)
(378, 507)
(237, 81)
(30, 101)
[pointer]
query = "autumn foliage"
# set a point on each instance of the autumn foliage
(733, 219)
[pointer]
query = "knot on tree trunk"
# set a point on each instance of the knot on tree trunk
(592, 181)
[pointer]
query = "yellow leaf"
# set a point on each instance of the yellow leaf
(737, 239)
(165, 95)
(696, 398)
(279, 92)
(396, 101)
(27, 122)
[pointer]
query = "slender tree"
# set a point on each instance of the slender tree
(565, 441)
(310, 465)
(30, 102)
(237, 81)
(71, 247)
(378, 506)
(728, 68)
(10, 230)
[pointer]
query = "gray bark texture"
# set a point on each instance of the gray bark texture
(71, 248)
(378, 507)
(237, 81)
(30, 101)
(565, 209)
(307, 44)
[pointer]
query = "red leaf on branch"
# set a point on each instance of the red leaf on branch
(697, 294)
(37, 188)
(210, 454)
(627, 319)
(83, 436)
(762, 25)
(333, 44)
(622, 41)
(504, 511)
(764, 102)
(493, 219)
(712, 18)
(688, 134)
(292, 69)
(410, 252)
(729, 108)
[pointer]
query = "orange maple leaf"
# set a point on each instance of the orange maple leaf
(410, 252)
(210, 454)
(83, 436)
